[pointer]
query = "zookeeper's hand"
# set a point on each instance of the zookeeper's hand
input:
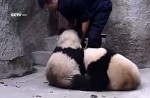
(85, 26)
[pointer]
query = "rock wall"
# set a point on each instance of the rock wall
(37, 25)
(128, 30)
(20, 35)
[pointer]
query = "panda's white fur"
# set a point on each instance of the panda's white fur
(69, 38)
(61, 68)
(93, 54)
(122, 73)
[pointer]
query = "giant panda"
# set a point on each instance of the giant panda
(63, 68)
(107, 70)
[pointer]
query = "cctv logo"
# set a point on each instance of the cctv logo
(18, 14)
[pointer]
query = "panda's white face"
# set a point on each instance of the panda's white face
(69, 38)
(93, 54)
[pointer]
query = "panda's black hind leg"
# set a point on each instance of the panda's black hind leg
(79, 82)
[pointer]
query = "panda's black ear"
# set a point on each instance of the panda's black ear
(61, 30)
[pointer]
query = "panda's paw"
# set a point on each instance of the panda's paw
(79, 82)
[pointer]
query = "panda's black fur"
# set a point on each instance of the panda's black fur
(97, 72)
(76, 54)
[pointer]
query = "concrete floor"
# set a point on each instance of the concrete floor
(36, 86)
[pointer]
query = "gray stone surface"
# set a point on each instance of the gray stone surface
(41, 57)
(12, 58)
(20, 35)
(37, 25)
(36, 86)
(50, 43)
(16, 67)
(11, 46)
(128, 30)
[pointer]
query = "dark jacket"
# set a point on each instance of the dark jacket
(81, 9)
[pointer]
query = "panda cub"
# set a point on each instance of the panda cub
(107, 70)
(63, 68)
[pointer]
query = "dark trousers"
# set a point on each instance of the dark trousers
(96, 27)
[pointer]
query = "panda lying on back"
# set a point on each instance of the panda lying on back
(66, 63)
(107, 70)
